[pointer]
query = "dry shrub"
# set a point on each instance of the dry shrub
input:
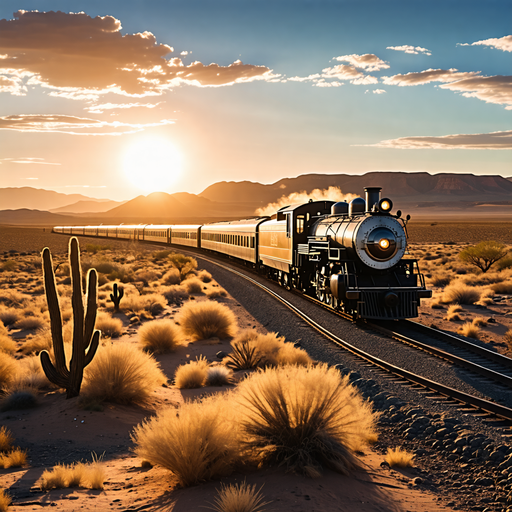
(203, 320)
(193, 286)
(175, 294)
(30, 375)
(505, 263)
(461, 294)
(469, 330)
(13, 299)
(243, 356)
(196, 442)
(215, 294)
(123, 374)
(452, 315)
(151, 303)
(30, 323)
(436, 302)
(89, 475)
(441, 280)
(289, 354)
(5, 501)
(191, 375)
(160, 336)
(205, 276)
(6, 439)
(218, 376)
(303, 418)
(504, 287)
(9, 316)
(18, 399)
(399, 457)
(16, 458)
(7, 344)
(147, 276)
(185, 264)
(239, 498)
(8, 369)
(479, 321)
(486, 297)
(42, 340)
(171, 277)
(109, 327)
(507, 338)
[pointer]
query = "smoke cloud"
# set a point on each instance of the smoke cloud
(330, 194)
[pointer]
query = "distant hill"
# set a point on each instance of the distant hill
(88, 207)
(24, 216)
(412, 187)
(14, 198)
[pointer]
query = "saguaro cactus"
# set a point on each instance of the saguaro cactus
(85, 338)
(116, 296)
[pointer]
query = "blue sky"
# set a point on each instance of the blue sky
(325, 87)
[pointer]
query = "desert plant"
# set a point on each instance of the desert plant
(174, 294)
(108, 326)
(85, 339)
(95, 248)
(41, 340)
(505, 287)
(243, 356)
(196, 442)
(460, 294)
(484, 254)
(8, 266)
(205, 276)
(303, 418)
(203, 320)
(151, 304)
(479, 321)
(469, 330)
(191, 375)
(239, 498)
(452, 315)
(8, 369)
(15, 458)
(193, 286)
(7, 344)
(507, 338)
(17, 400)
(218, 376)
(9, 316)
(5, 501)
(6, 439)
(30, 323)
(122, 374)
(505, 262)
(160, 336)
(116, 296)
(13, 299)
(399, 457)
(441, 280)
(171, 277)
(185, 264)
(215, 294)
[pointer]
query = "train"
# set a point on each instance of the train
(350, 256)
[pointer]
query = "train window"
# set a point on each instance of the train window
(288, 225)
(300, 224)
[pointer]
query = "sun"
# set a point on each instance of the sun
(152, 165)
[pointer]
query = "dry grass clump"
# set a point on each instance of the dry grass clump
(122, 374)
(174, 294)
(507, 338)
(469, 330)
(191, 375)
(185, 264)
(193, 286)
(5, 501)
(239, 498)
(13, 299)
(8, 369)
(151, 303)
(461, 294)
(399, 457)
(160, 336)
(441, 280)
(62, 476)
(7, 344)
(452, 315)
(203, 320)
(6, 439)
(505, 263)
(218, 376)
(504, 287)
(30, 323)
(9, 316)
(197, 442)
(205, 276)
(16, 458)
(41, 340)
(486, 297)
(303, 418)
(436, 302)
(18, 399)
(110, 327)
(479, 321)
(216, 293)
(244, 355)
(171, 277)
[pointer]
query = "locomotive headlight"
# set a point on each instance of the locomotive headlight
(381, 244)
(385, 205)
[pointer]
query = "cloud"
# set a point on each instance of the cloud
(12, 85)
(368, 61)
(340, 72)
(379, 91)
(491, 89)
(415, 50)
(28, 160)
(494, 140)
(71, 125)
(502, 43)
(99, 109)
(81, 57)
(330, 194)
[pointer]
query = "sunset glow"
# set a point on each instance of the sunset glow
(152, 165)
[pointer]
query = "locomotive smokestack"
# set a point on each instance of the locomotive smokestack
(372, 196)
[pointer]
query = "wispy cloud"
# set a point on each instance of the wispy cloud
(494, 140)
(368, 61)
(85, 57)
(491, 89)
(415, 50)
(71, 125)
(99, 109)
(501, 43)
(28, 160)
(379, 91)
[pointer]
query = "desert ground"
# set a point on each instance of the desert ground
(54, 430)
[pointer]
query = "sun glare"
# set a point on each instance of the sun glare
(152, 165)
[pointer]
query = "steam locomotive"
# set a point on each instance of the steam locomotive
(349, 255)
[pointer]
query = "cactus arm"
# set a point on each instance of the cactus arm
(92, 306)
(54, 310)
(95, 341)
(76, 297)
(54, 376)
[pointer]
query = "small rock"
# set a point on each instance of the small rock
(221, 354)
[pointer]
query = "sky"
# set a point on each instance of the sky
(113, 99)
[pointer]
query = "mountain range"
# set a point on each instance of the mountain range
(419, 192)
